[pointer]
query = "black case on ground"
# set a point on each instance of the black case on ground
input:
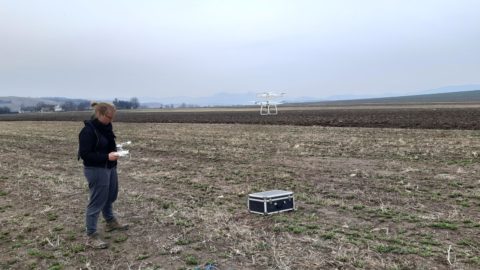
(272, 201)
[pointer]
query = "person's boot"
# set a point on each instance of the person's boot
(94, 241)
(114, 225)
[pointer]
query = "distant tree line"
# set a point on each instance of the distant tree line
(173, 106)
(4, 109)
(69, 106)
(36, 108)
(66, 106)
(76, 106)
(41, 106)
(126, 105)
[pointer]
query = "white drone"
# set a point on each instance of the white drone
(267, 105)
(123, 152)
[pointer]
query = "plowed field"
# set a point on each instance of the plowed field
(366, 198)
(427, 117)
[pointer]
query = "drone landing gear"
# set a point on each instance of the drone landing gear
(268, 109)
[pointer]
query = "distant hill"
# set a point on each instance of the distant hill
(14, 103)
(445, 89)
(452, 97)
(248, 98)
(242, 99)
(450, 89)
(219, 99)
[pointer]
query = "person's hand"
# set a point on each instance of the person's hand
(112, 156)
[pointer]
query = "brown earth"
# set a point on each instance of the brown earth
(366, 198)
(419, 116)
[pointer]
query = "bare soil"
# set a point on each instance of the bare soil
(427, 116)
(367, 198)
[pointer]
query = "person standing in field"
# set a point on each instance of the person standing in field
(97, 149)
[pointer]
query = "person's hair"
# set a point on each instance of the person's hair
(101, 108)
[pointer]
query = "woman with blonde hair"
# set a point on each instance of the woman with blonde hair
(98, 150)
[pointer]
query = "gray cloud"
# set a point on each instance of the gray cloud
(103, 49)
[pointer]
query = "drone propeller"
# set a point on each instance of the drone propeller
(270, 95)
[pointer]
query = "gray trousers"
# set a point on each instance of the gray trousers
(103, 186)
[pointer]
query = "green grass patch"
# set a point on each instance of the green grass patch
(33, 252)
(461, 162)
(262, 246)
(281, 218)
(475, 260)
(469, 243)
(455, 194)
(396, 249)
(297, 229)
(445, 225)
(71, 236)
(191, 260)
(141, 257)
(429, 242)
(328, 235)
(468, 221)
(183, 242)
(39, 254)
(3, 208)
(120, 239)
(56, 266)
(359, 264)
(465, 204)
(183, 223)
(51, 216)
(358, 207)
(4, 236)
(76, 248)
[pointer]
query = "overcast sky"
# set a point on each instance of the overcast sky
(116, 48)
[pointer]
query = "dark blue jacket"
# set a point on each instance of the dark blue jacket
(96, 140)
